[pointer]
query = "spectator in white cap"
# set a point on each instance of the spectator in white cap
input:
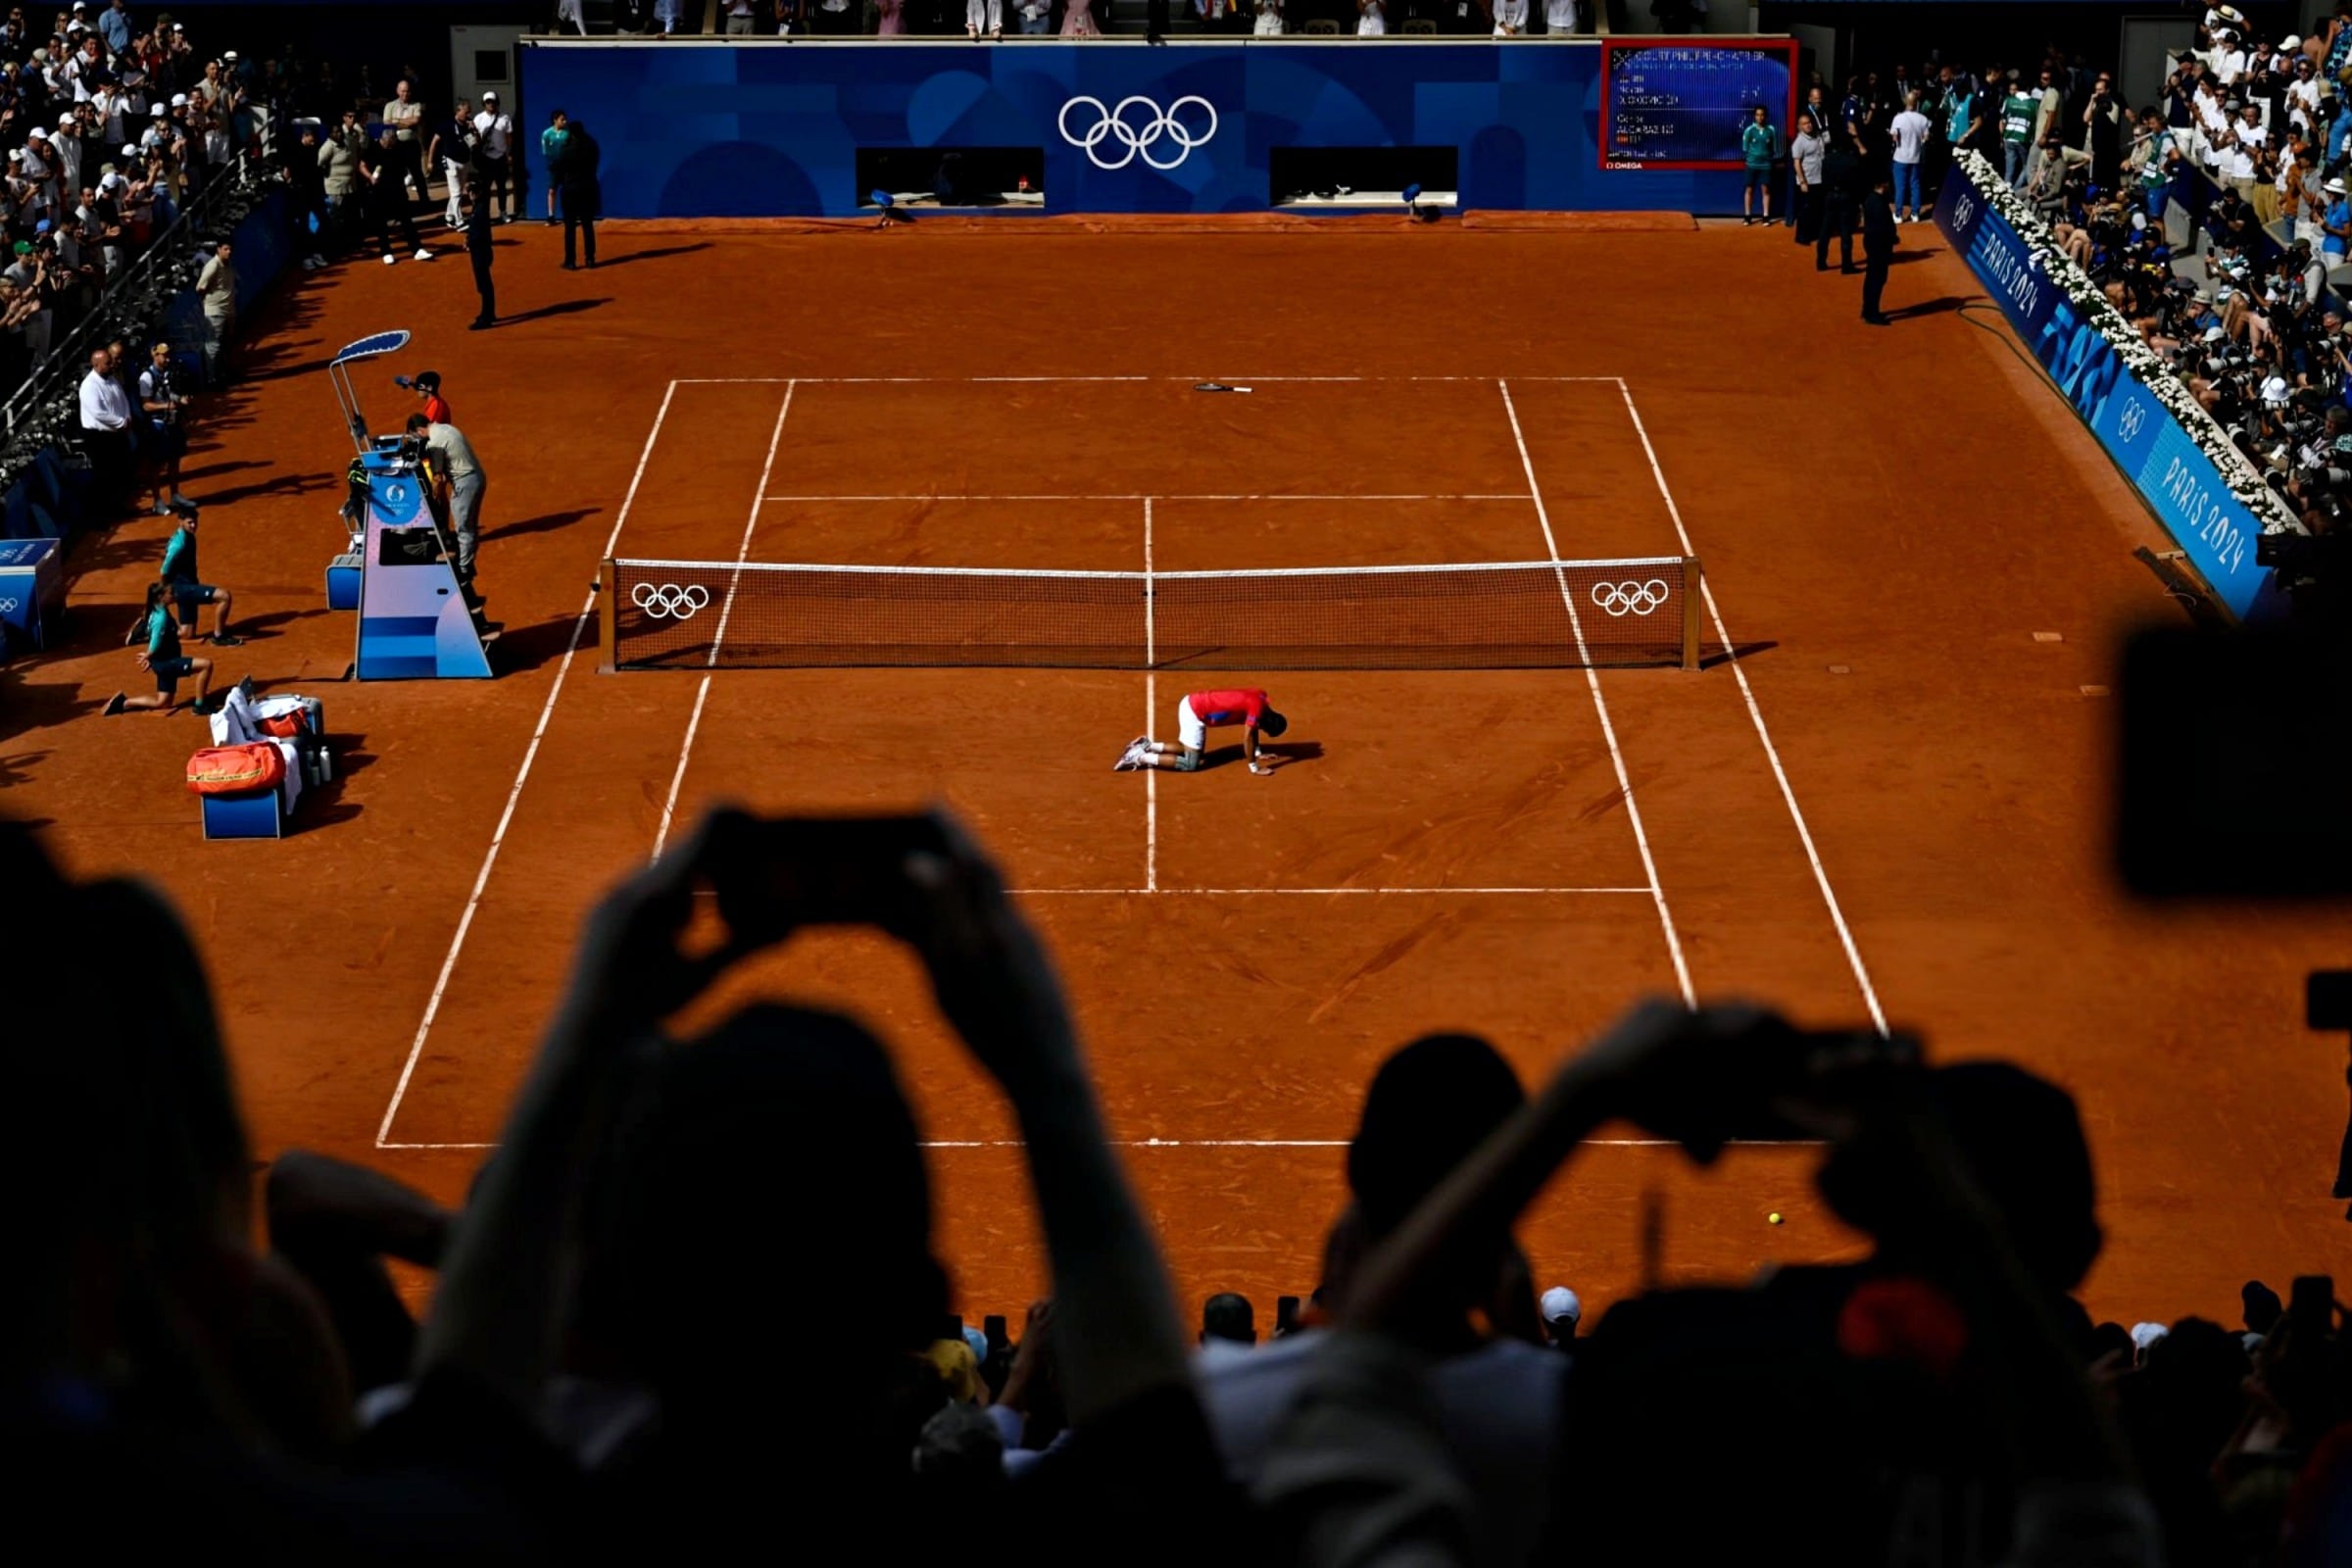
(2144, 1334)
(1562, 1312)
(493, 161)
(69, 151)
(2336, 227)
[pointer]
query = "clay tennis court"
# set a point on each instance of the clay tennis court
(1890, 802)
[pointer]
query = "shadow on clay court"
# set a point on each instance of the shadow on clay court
(1282, 754)
(324, 804)
(270, 625)
(1934, 307)
(286, 484)
(213, 470)
(651, 255)
(1723, 655)
(559, 308)
(542, 525)
(524, 647)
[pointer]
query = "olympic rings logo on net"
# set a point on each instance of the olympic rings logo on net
(668, 601)
(1111, 125)
(1629, 598)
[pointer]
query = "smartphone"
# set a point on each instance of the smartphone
(1831, 1056)
(2311, 1303)
(1286, 1315)
(2328, 999)
(993, 1327)
(951, 1326)
(774, 875)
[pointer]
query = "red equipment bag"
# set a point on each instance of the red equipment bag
(236, 769)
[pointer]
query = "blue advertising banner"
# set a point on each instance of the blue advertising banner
(762, 130)
(2181, 484)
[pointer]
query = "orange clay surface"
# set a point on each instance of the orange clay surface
(1887, 518)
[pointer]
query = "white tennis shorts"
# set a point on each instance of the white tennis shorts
(1190, 731)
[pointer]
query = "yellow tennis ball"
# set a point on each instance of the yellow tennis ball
(1773, 1218)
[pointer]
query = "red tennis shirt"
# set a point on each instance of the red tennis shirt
(436, 407)
(1246, 707)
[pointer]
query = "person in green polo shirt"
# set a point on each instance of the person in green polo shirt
(164, 660)
(1758, 143)
(2018, 111)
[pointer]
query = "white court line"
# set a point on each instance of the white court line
(967, 380)
(1156, 890)
(1140, 496)
(1600, 707)
(1151, 712)
(498, 835)
(1755, 713)
(677, 775)
(1256, 1143)
(694, 723)
(1286, 1143)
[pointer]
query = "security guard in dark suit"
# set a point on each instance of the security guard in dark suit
(1841, 177)
(477, 250)
(1878, 246)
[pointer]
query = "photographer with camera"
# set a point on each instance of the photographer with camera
(1977, 1188)
(654, 1163)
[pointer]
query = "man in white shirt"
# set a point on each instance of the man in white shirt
(40, 170)
(2241, 158)
(106, 432)
(2303, 98)
(497, 132)
(1510, 18)
(1560, 17)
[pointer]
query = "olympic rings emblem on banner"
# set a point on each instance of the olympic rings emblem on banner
(668, 601)
(2135, 415)
(1629, 598)
(1111, 125)
(9, 607)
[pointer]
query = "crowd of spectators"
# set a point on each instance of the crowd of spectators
(1086, 19)
(112, 124)
(692, 1301)
(2215, 218)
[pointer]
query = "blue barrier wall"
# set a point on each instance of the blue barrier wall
(2181, 484)
(769, 129)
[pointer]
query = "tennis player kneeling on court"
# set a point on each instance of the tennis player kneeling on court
(1197, 713)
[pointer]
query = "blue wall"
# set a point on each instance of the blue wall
(2181, 484)
(769, 129)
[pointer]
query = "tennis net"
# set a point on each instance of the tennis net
(700, 615)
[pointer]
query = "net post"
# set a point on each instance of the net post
(1691, 581)
(606, 660)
